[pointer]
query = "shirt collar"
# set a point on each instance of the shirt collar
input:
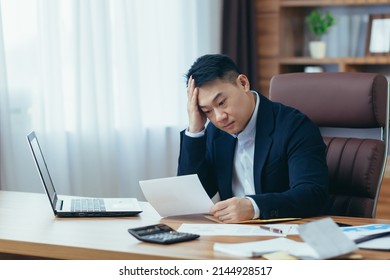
(250, 128)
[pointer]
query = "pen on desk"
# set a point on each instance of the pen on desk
(371, 236)
(271, 229)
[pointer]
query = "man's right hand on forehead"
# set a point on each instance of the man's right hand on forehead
(196, 117)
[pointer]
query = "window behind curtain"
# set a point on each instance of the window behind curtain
(102, 83)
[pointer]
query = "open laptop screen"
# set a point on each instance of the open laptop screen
(42, 168)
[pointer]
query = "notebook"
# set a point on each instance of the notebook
(80, 206)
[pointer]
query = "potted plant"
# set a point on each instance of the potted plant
(319, 24)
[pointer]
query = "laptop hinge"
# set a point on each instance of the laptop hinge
(59, 204)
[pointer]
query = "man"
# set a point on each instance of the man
(265, 160)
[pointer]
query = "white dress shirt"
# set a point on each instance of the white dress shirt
(243, 182)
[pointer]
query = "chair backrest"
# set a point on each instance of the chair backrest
(357, 102)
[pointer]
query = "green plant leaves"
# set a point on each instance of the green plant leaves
(319, 23)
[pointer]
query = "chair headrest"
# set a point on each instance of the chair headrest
(342, 99)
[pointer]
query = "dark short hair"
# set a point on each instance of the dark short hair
(210, 67)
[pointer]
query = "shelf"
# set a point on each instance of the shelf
(282, 39)
(319, 3)
(377, 60)
(339, 64)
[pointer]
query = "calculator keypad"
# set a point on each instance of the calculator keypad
(161, 234)
(167, 237)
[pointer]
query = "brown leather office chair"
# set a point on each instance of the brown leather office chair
(349, 108)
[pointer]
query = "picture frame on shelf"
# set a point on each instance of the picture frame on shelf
(378, 39)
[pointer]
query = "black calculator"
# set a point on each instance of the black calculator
(161, 234)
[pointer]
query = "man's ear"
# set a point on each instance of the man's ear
(243, 81)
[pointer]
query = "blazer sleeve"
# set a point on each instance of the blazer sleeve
(194, 159)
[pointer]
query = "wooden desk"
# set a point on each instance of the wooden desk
(28, 230)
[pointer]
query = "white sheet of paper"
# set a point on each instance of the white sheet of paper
(180, 195)
(259, 248)
(226, 230)
(326, 238)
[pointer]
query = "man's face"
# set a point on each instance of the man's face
(228, 106)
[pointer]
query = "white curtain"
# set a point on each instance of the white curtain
(102, 84)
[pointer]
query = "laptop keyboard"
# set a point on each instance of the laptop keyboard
(88, 205)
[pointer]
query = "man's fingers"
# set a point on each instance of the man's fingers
(232, 210)
(197, 118)
(220, 211)
(190, 87)
(219, 206)
(192, 94)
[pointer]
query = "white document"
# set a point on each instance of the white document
(180, 195)
(326, 238)
(355, 232)
(226, 230)
(259, 248)
(381, 243)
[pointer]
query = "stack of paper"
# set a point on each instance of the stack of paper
(323, 240)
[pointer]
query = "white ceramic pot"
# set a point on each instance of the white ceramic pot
(317, 49)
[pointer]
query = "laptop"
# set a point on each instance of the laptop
(80, 206)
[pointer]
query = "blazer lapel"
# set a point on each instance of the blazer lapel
(224, 147)
(263, 140)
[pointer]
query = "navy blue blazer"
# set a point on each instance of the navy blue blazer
(290, 170)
